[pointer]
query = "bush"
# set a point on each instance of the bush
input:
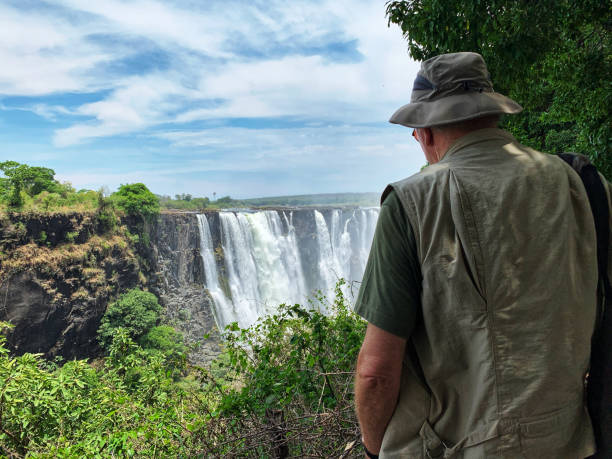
(282, 388)
(128, 407)
(135, 311)
(288, 384)
(167, 342)
(136, 199)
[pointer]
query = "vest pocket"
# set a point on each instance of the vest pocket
(561, 433)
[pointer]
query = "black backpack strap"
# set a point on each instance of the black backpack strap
(599, 390)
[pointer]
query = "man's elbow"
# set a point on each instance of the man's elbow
(375, 375)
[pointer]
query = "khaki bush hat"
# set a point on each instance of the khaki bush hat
(450, 88)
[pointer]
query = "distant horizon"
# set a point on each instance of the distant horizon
(340, 193)
(274, 99)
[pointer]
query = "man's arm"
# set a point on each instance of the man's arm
(377, 383)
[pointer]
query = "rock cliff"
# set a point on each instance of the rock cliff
(57, 275)
(59, 272)
(175, 253)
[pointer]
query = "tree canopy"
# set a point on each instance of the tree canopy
(136, 199)
(551, 56)
(136, 311)
(30, 179)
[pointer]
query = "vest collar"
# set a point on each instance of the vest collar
(474, 137)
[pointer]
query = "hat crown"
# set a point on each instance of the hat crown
(450, 74)
(450, 88)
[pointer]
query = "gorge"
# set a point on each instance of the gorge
(208, 270)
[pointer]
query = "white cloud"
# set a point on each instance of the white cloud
(292, 85)
(251, 59)
(42, 55)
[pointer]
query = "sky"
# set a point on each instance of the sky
(247, 98)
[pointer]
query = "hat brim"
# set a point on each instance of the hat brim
(455, 108)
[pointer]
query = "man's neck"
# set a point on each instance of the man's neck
(445, 138)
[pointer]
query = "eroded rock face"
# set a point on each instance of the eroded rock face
(175, 251)
(60, 272)
(66, 328)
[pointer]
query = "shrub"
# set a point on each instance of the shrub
(167, 342)
(288, 384)
(127, 407)
(136, 311)
(282, 388)
(136, 199)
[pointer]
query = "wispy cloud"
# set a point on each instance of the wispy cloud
(182, 74)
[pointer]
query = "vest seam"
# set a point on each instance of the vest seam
(465, 201)
(410, 210)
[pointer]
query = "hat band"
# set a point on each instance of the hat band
(421, 83)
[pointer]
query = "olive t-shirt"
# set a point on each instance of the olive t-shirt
(390, 293)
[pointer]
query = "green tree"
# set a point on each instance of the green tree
(136, 199)
(551, 56)
(136, 311)
(30, 179)
(167, 342)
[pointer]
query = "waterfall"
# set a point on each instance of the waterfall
(269, 259)
(222, 308)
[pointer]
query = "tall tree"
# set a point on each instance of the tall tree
(21, 177)
(551, 56)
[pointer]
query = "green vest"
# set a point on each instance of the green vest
(496, 366)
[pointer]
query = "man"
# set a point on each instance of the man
(480, 290)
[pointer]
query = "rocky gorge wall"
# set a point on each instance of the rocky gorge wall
(175, 255)
(58, 273)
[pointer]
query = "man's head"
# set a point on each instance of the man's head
(436, 140)
(452, 95)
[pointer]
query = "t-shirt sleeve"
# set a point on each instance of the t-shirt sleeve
(390, 293)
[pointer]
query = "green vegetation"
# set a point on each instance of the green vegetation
(291, 378)
(135, 315)
(34, 189)
(135, 311)
(327, 199)
(21, 178)
(551, 56)
(283, 385)
(183, 202)
(187, 202)
(136, 199)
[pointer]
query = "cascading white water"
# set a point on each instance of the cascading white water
(222, 310)
(265, 258)
(279, 269)
(329, 269)
(241, 270)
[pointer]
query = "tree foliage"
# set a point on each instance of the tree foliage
(183, 202)
(21, 178)
(136, 199)
(288, 384)
(33, 188)
(551, 56)
(283, 385)
(127, 407)
(136, 311)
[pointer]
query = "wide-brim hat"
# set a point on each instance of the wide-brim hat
(450, 88)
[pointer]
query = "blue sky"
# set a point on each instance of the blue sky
(241, 98)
